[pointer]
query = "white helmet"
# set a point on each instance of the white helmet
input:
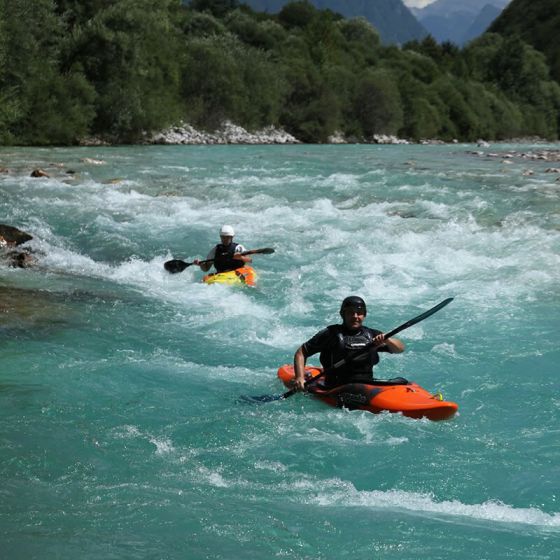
(227, 231)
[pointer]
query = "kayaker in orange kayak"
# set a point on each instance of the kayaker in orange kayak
(339, 342)
(225, 255)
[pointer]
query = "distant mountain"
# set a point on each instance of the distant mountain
(537, 22)
(392, 19)
(481, 23)
(448, 20)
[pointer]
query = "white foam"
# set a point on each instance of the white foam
(214, 478)
(152, 280)
(445, 349)
(164, 446)
(468, 233)
(425, 504)
(273, 466)
(127, 432)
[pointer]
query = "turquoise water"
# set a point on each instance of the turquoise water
(121, 432)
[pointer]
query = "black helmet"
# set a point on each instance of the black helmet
(356, 302)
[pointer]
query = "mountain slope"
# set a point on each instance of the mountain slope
(481, 23)
(537, 22)
(472, 7)
(391, 18)
(447, 20)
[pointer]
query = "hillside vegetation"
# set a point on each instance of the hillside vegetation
(117, 68)
(536, 22)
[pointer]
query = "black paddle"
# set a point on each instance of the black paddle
(425, 315)
(177, 265)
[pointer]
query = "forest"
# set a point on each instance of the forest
(117, 69)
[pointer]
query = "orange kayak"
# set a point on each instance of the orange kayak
(243, 276)
(397, 395)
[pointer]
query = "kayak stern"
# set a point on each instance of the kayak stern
(410, 399)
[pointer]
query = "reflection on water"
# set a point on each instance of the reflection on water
(26, 311)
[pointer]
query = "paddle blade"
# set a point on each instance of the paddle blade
(266, 398)
(176, 265)
(259, 399)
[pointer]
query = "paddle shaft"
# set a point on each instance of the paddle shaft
(395, 331)
(245, 253)
(177, 265)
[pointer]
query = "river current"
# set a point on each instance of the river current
(122, 434)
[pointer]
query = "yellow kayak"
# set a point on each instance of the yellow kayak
(242, 276)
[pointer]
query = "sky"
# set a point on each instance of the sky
(417, 3)
(424, 3)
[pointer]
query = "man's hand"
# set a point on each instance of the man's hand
(299, 384)
(244, 258)
(379, 340)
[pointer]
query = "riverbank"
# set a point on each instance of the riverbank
(509, 156)
(230, 133)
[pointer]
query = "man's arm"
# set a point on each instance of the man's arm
(205, 267)
(299, 369)
(239, 257)
(313, 346)
(392, 345)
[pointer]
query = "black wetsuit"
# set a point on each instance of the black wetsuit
(223, 258)
(336, 343)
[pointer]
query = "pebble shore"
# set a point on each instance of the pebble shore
(228, 133)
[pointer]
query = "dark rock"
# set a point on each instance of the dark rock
(11, 236)
(39, 173)
(20, 259)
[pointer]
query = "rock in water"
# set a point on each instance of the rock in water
(12, 236)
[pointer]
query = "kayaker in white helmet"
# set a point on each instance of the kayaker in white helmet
(225, 255)
(338, 342)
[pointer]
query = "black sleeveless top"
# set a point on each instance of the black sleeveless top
(223, 258)
(336, 343)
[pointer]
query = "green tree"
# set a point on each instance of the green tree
(324, 39)
(377, 103)
(130, 53)
(201, 24)
(9, 106)
(310, 108)
(212, 85)
(265, 34)
(42, 105)
(358, 31)
(516, 70)
(120, 67)
(218, 8)
(536, 22)
(463, 122)
(297, 14)
(224, 79)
